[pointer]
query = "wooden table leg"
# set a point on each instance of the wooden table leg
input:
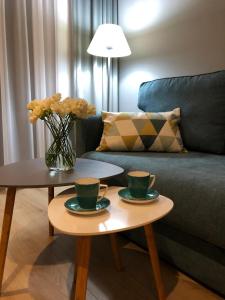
(50, 197)
(116, 252)
(83, 251)
(6, 225)
(154, 261)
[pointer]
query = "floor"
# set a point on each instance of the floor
(41, 268)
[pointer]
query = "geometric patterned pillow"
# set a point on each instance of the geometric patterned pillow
(141, 131)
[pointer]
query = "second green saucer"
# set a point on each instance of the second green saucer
(151, 196)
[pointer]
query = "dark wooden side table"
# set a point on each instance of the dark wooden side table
(34, 174)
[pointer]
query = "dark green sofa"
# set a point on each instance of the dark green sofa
(192, 236)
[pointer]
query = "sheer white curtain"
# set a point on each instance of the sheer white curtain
(31, 58)
(43, 50)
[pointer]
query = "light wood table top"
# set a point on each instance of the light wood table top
(119, 216)
(34, 173)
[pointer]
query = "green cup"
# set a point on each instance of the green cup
(139, 182)
(88, 192)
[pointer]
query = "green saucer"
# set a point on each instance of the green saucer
(72, 206)
(151, 196)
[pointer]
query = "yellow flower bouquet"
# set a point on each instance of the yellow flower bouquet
(59, 116)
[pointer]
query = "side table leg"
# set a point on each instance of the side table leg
(50, 197)
(116, 252)
(6, 225)
(83, 252)
(154, 261)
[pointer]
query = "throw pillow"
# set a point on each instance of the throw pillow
(140, 131)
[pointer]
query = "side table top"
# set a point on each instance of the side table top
(119, 216)
(34, 173)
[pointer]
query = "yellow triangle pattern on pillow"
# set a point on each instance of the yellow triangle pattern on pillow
(141, 131)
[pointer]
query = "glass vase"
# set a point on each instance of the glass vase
(60, 156)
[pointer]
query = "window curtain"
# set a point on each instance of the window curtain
(28, 70)
(43, 47)
(90, 72)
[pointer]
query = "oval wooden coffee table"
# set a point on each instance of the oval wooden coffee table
(119, 216)
(34, 174)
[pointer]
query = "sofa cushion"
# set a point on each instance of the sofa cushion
(141, 132)
(194, 181)
(202, 102)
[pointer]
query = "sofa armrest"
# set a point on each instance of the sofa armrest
(88, 134)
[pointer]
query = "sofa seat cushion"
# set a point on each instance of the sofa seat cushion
(194, 181)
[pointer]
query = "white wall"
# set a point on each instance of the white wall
(169, 38)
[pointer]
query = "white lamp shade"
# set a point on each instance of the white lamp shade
(109, 41)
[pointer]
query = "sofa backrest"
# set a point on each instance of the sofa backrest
(202, 102)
